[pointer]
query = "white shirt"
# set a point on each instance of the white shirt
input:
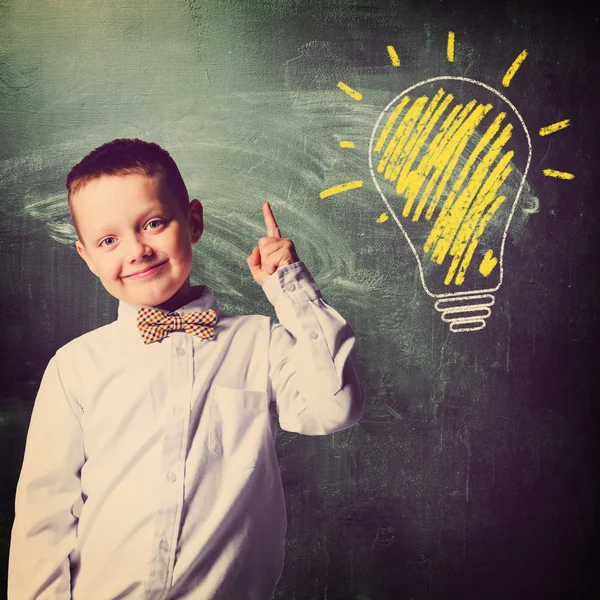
(150, 470)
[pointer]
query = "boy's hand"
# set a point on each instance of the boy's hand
(272, 251)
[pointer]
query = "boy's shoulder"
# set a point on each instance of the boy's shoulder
(101, 335)
(92, 347)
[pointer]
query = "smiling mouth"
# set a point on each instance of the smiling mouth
(147, 272)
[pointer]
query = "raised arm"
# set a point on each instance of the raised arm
(313, 380)
(49, 487)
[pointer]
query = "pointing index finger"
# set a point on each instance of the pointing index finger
(270, 222)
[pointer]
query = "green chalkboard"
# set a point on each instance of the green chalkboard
(472, 473)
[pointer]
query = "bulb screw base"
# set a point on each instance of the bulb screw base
(465, 312)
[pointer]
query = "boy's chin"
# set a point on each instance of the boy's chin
(146, 298)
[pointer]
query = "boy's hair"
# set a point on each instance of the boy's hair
(126, 156)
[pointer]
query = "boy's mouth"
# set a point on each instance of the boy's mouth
(147, 272)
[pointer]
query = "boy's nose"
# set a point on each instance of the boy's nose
(138, 249)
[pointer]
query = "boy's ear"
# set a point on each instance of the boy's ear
(196, 220)
(83, 253)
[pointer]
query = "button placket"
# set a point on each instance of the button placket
(173, 454)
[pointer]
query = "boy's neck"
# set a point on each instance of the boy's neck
(182, 297)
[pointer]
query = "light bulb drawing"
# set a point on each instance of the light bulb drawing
(449, 157)
(440, 166)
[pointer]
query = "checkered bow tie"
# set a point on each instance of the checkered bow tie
(154, 324)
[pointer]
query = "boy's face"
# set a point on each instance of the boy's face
(137, 238)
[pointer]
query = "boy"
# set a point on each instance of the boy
(150, 468)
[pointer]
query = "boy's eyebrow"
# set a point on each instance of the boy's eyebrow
(159, 207)
(143, 216)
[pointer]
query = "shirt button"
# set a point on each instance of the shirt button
(290, 287)
(171, 477)
(313, 335)
(180, 352)
(164, 545)
(178, 410)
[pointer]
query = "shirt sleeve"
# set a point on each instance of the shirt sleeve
(49, 488)
(313, 381)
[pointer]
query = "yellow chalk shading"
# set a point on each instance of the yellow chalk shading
(393, 56)
(401, 153)
(488, 262)
(390, 123)
(452, 213)
(382, 218)
(415, 180)
(466, 170)
(404, 179)
(460, 277)
(486, 201)
(559, 174)
(513, 68)
(421, 164)
(440, 150)
(342, 187)
(352, 93)
(460, 224)
(453, 151)
(393, 149)
(450, 50)
(413, 147)
(554, 127)
(346, 144)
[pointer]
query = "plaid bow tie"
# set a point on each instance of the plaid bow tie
(154, 324)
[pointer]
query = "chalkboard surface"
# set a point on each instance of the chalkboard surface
(472, 473)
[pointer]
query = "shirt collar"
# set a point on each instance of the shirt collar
(203, 299)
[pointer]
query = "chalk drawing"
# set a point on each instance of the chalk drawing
(352, 93)
(393, 56)
(558, 174)
(450, 47)
(514, 68)
(448, 181)
(554, 127)
(442, 156)
(342, 187)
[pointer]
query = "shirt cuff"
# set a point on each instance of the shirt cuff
(292, 282)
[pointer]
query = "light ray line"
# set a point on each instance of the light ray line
(554, 127)
(352, 93)
(393, 56)
(450, 50)
(342, 187)
(558, 174)
(513, 68)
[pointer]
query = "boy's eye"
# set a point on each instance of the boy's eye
(155, 223)
(107, 241)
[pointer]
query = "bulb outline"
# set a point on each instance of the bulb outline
(454, 294)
